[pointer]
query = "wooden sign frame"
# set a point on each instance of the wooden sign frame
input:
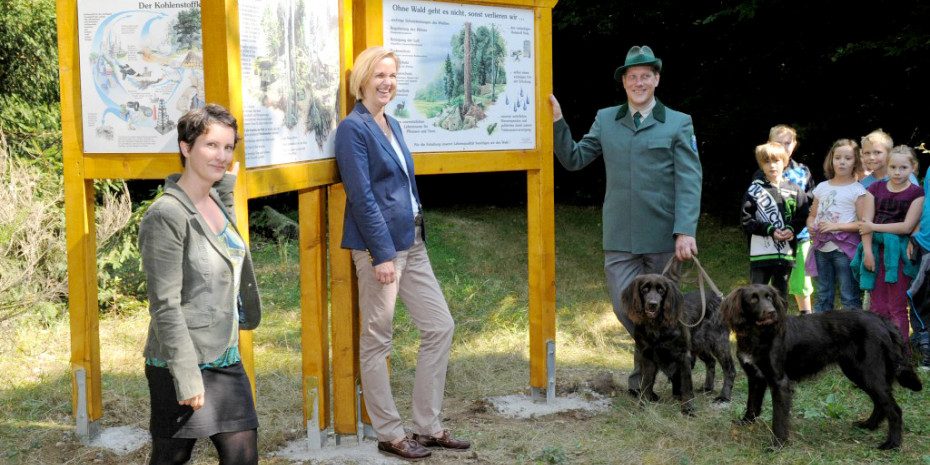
(321, 203)
(222, 75)
(539, 168)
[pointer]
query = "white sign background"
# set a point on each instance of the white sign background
(138, 75)
(289, 93)
(421, 33)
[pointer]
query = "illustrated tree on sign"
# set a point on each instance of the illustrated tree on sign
(449, 78)
(484, 63)
(188, 27)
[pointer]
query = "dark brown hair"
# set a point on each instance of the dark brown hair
(195, 123)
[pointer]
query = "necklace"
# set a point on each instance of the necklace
(383, 126)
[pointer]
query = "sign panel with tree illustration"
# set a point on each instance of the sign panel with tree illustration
(141, 69)
(467, 77)
(290, 79)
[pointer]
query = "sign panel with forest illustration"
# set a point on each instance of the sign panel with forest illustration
(467, 75)
(290, 79)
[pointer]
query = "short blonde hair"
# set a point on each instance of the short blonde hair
(770, 150)
(365, 68)
(782, 129)
(878, 137)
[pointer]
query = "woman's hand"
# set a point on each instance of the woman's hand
(234, 170)
(197, 401)
(384, 272)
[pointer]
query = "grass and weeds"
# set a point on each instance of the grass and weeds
(479, 255)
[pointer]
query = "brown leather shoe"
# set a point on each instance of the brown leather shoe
(407, 449)
(446, 441)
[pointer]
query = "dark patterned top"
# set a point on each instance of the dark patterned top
(891, 207)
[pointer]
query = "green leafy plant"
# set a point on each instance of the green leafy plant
(832, 407)
(551, 456)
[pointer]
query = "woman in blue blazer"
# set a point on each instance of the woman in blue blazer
(384, 229)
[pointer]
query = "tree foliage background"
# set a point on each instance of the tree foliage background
(828, 68)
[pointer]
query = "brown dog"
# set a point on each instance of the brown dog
(775, 349)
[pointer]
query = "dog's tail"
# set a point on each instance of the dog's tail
(908, 378)
(897, 354)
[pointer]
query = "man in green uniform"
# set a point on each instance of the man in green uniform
(653, 195)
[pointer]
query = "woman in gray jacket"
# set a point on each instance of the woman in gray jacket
(202, 290)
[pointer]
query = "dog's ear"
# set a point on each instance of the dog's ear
(671, 304)
(731, 309)
(632, 301)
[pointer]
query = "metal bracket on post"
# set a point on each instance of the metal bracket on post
(86, 430)
(359, 425)
(540, 395)
(316, 439)
(550, 371)
(365, 431)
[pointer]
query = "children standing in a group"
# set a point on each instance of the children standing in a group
(875, 148)
(773, 210)
(838, 204)
(882, 263)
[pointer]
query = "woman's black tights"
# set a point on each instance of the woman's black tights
(236, 448)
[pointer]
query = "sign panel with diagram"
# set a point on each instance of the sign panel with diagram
(141, 70)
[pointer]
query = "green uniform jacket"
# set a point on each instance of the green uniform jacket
(653, 175)
(191, 288)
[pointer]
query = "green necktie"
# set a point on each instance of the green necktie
(637, 119)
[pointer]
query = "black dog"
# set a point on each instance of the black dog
(775, 349)
(710, 342)
(656, 308)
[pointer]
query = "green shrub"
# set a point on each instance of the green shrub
(32, 244)
(29, 50)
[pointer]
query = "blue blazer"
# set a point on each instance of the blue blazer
(379, 215)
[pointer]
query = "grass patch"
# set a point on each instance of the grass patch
(479, 256)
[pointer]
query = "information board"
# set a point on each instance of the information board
(467, 78)
(141, 69)
(290, 79)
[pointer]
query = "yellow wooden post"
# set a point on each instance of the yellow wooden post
(541, 212)
(222, 77)
(79, 221)
(314, 332)
(345, 325)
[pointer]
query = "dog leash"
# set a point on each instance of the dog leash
(702, 275)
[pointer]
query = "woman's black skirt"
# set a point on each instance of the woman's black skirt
(227, 404)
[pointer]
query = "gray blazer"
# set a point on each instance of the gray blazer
(190, 285)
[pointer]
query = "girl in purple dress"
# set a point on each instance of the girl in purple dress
(897, 208)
